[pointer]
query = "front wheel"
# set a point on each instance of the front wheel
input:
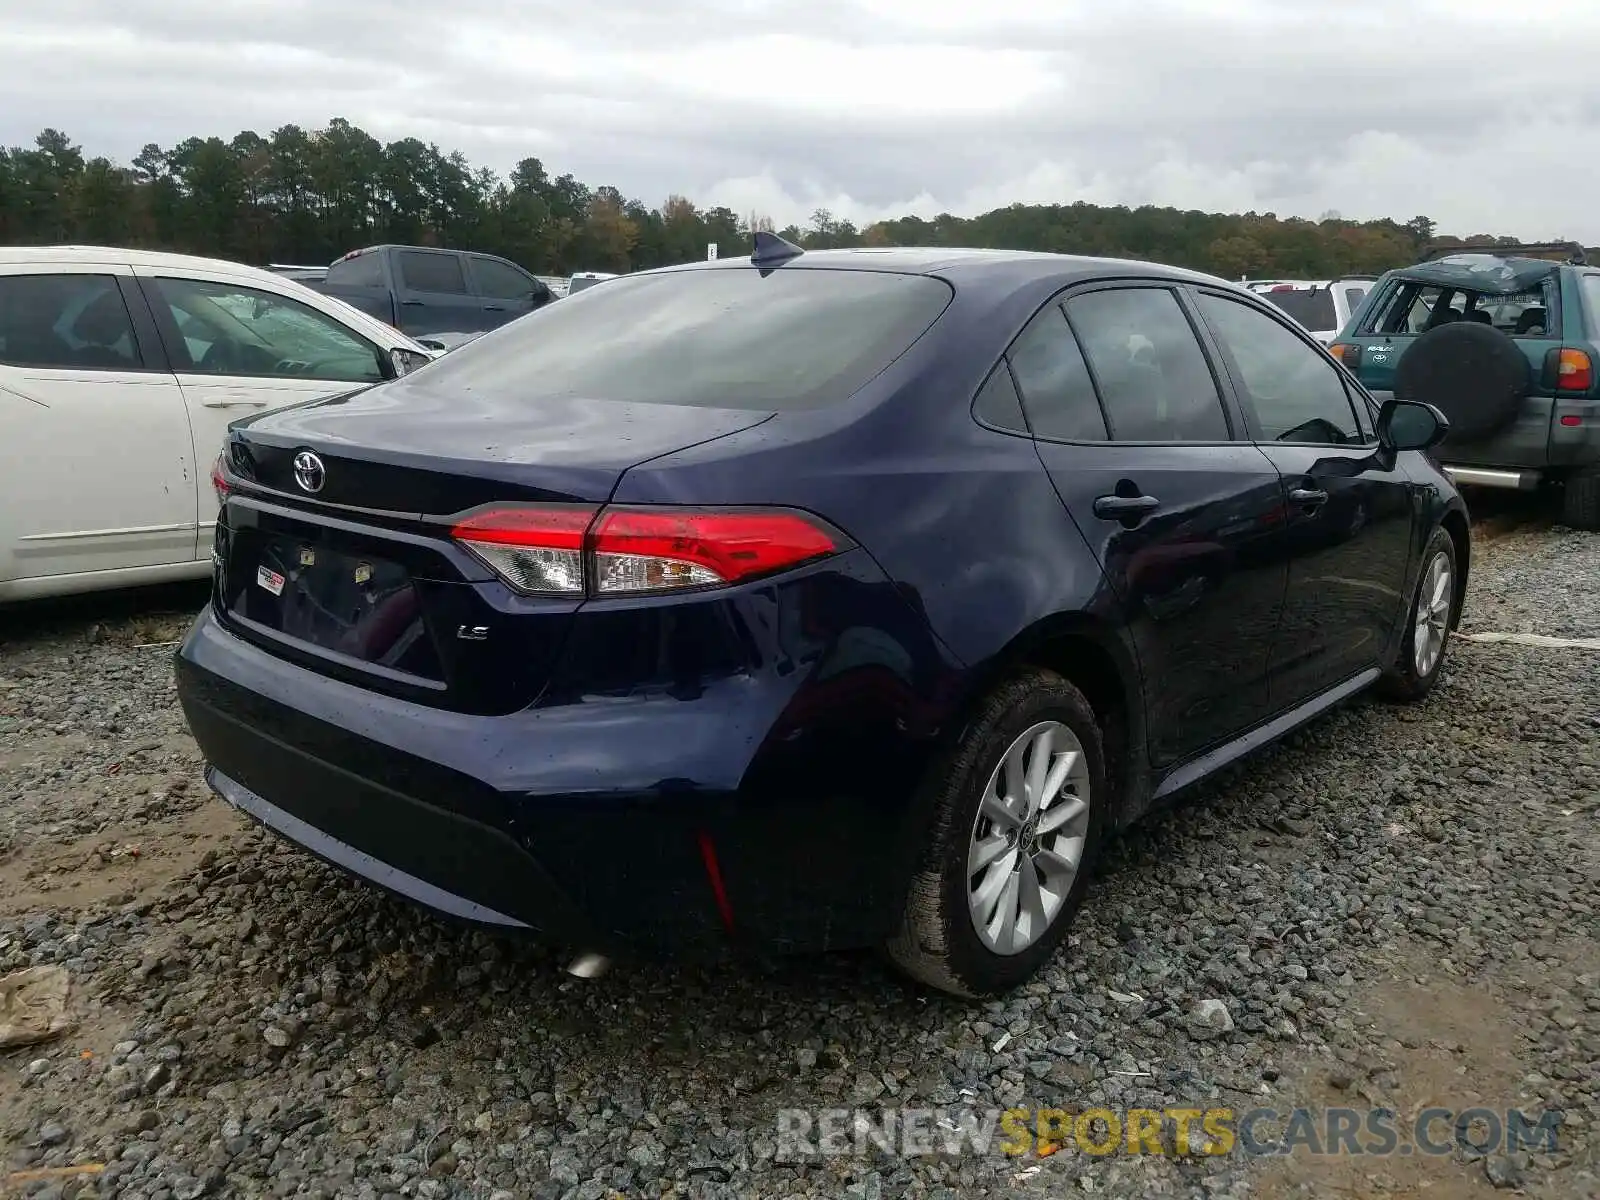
(1017, 807)
(1428, 624)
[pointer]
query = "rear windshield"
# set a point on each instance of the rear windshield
(1313, 309)
(720, 338)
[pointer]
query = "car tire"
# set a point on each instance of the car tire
(1428, 625)
(1580, 500)
(1023, 857)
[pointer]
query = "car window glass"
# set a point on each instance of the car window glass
(421, 271)
(1311, 306)
(65, 321)
(498, 281)
(1054, 382)
(364, 270)
(1295, 394)
(1591, 301)
(1153, 378)
(231, 330)
(1353, 298)
(730, 337)
(998, 403)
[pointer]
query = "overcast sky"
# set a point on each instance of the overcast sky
(1482, 114)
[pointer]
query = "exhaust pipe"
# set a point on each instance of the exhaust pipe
(589, 966)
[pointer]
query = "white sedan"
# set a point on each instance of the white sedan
(120, 370)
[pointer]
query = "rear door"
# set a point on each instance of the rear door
(433, 295)
(97, 464)
(1131, 424)
(1350, 509)
(239, 350)
(507, 292)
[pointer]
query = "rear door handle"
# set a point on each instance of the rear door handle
(1119, 508)
(233, 403)
(494, 308)
(1310, 497)
(411, 304)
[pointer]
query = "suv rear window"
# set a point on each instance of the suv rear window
(717, 338)
(1415, 308)
(1312, 308)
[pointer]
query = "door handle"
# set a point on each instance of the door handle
(233, 403)
(1121, 508)
(494, 308)
(411, 304)
(1310, 497)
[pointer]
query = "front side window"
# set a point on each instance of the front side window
(68, 322)
(1154, 381)
(232, 330)
(1294, 393)
(422, 271)
(498, 281)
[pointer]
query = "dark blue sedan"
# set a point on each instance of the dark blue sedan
(810, 600)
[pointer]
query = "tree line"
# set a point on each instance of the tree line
(308, 196)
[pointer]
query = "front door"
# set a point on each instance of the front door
(432, 294)
(96, 460)
(238, 351)
(1350, 508)
(1130, 422)
(506, 292)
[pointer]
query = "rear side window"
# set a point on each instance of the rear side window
(1591, 301)
(498, 281)
(998, 404)
(364, 270)
(1054, 381)
(1311, 307)
(1152, 375)
(73, 322)
(719, 338)
(424, 272)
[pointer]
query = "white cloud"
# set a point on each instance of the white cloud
(877, 108)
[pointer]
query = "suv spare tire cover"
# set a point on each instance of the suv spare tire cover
(1473, 373)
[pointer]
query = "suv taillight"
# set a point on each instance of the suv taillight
(562, 550)
(1347, 353)
(1574, 371)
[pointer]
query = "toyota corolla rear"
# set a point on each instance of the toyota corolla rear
(439, 655)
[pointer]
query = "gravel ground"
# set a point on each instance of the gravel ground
(1396, 908)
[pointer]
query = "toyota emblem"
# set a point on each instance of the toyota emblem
(309, 472)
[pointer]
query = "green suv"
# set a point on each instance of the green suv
(1505, 341)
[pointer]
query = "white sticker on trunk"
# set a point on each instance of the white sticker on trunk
(270, 580)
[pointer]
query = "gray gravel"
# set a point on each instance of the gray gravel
(1397, 908)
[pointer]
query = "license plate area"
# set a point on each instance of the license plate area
(360, 606)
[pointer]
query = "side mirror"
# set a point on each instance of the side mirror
(1410, 425)
(406, 361)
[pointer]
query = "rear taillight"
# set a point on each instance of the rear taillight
(1347, 353)
(219, 482)
(576, 551)
(1574, 371)
(537, 550)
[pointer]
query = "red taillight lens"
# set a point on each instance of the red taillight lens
(652, 550)
(1574, 371)
(219, 482)
(536, 550)
(570, 551)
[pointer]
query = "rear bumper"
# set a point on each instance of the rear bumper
(745, 818)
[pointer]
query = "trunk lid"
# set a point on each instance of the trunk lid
(360, 580)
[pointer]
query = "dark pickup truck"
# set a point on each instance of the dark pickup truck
(432, 293)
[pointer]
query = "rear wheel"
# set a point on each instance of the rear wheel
(1017, 806)
(1580, 500)
(1428, 624)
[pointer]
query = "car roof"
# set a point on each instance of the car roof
(968, 265)
(116, 256)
